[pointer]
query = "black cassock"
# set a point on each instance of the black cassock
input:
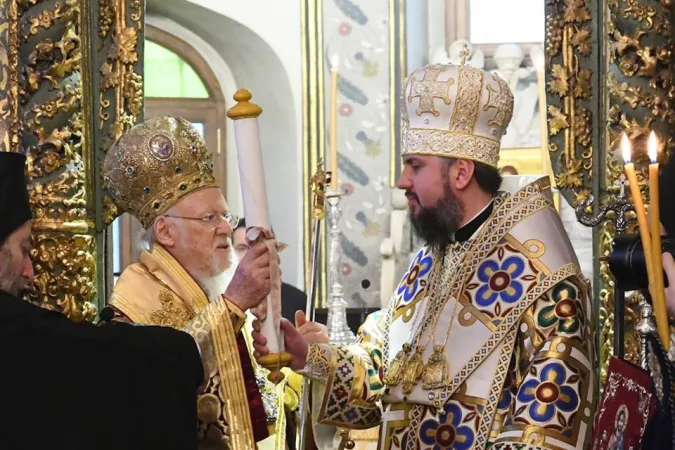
(78, 386)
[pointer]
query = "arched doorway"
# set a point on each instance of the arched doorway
(177, 82)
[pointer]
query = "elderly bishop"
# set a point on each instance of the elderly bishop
(487, 341)
(161, 172)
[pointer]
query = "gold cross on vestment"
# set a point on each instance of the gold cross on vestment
(428, 89)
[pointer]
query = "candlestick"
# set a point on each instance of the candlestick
(339, 332)
(658, 290)
(333, 123)
(629, 168)
(620, 206)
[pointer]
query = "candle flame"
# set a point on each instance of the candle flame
(625, 148)
(651, 147)
(334, 61)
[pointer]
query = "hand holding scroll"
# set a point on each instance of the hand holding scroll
(296, 344)
(297, 339)
(251, 282)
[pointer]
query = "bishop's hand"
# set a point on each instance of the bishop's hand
(311, 331)
(296, 344)
(251, 282)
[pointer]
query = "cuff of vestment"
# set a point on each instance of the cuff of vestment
(318, 362)
(238, 316)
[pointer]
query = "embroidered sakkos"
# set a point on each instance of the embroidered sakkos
(504, 314)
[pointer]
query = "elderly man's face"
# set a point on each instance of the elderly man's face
(16, 268)
(203, 248)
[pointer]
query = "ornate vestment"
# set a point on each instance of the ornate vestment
(158, 291)
(486, 344)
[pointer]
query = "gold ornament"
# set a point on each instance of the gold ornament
(413, 371)
(155, 164)
(456, 112)
(395, 370)
(437, 370)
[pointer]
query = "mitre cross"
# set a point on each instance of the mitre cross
(497, 99)
(428, 89)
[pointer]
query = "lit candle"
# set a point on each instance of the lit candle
(333, 123)
(658, 290)
(629, 168)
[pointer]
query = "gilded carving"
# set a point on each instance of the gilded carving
(640, 95)
(106, 17)
(42, 106)
(557, 120)
(59, 257)
(136, 15)
(120, 99)
(569, 47)
(133, 93)
(43, 113)
(110, 209)
(66, 11)
(636, 94)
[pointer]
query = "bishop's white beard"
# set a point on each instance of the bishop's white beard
(216, 286)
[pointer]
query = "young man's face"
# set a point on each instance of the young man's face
(16, 268)
(239, 242)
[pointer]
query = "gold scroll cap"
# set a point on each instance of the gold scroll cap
(244, 109)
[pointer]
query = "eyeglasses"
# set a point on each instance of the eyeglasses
(212, 219)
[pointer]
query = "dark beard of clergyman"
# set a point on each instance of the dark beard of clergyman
(438, 224)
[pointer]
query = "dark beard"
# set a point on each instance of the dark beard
(437, 225)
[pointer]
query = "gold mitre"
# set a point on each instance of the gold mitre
(455, 111)
(155, 164)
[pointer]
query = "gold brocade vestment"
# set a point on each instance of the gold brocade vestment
(158, 291)
(505, 316)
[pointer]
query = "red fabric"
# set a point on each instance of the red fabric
(627, 404)
(258, 415)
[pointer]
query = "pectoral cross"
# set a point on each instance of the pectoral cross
(428, 89)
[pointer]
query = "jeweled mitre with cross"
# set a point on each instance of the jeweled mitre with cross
(455, 111)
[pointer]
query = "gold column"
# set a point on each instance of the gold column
(609, 70)
(56, 57)
(639, 97)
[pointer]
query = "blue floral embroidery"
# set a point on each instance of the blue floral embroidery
(447, 431)
(409, 285)
(508, 390)
(500, 281)
(547, 393)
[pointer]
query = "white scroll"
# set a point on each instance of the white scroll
(256, 211)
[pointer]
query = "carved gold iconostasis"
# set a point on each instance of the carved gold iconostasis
(71, 84)
(609, 70)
